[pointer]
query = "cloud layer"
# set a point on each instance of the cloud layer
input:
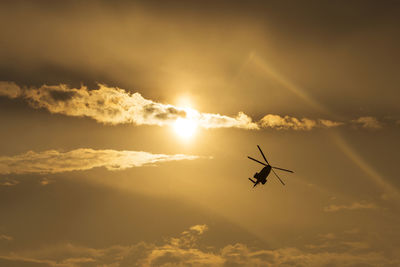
(185, 250)
(53, 161)
(287, 122)
(112, 105)
(352, 206)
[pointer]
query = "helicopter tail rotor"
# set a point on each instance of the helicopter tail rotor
(252, 181)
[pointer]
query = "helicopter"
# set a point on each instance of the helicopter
(263, 174)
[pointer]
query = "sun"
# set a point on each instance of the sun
(185, 128)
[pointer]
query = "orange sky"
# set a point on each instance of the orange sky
(125, 128)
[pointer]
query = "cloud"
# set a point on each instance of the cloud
(69, 262)
(53, 161)
(287, 122)
(356, 245)
(368, 122)
(327, 236)
(350, 240)
(45, 181)
(6, 237)
(200, 228)
(352, 206)
(112, 105)
(329, 123)
(10, 89)
(8, 182)
(177, 251)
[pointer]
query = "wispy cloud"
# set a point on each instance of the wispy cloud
(287, 122)
(6, 237)
(356, 245)
(368, 122)
(53, 161)
(184, 250)
(327, 236)
(8, 182)
(112, 105)
(352, 206)
(45, 181)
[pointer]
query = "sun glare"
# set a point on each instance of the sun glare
(185, 128)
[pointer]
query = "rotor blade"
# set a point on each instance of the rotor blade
(263, 154)
(278, 177)
(282, 169)
(258, 161)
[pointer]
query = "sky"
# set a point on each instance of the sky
(126, 126)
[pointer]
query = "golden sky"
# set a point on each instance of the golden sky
(126, 126)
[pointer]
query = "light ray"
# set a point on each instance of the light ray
(372, 174)
(286, 83)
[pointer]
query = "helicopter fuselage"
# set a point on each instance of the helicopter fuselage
(263, 174)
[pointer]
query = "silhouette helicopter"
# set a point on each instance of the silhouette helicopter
(263, 174)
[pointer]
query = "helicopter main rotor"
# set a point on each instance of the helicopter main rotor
(272, 167)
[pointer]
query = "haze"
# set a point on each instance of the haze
(126, 126)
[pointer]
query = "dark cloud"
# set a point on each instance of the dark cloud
(61, 95)
(169, 113)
